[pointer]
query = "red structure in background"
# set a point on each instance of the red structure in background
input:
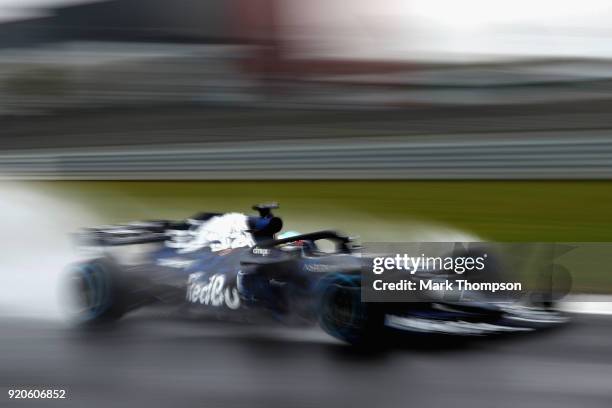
(257, 22)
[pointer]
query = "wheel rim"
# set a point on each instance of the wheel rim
(91, 287)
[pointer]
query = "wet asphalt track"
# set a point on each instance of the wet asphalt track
(160, 362)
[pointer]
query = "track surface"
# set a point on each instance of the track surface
(162, 362)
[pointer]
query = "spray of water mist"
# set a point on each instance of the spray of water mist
(36, 248)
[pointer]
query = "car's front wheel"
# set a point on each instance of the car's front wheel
(343, 315)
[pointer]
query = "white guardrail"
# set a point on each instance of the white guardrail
(575, 155)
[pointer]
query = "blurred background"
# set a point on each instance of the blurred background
(394, 120)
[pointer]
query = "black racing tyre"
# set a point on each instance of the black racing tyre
(343, 315)
(97, 290)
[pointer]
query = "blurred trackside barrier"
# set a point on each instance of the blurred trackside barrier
(558, 155)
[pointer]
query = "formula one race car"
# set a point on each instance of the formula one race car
(234, 266)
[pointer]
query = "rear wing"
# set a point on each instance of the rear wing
(129, 234)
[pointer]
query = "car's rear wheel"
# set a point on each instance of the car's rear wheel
(96, 292)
